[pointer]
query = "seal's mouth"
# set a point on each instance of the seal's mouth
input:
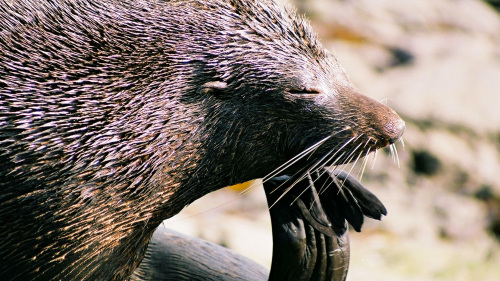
(344, 196)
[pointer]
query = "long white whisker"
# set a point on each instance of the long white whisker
(293, 160)
(288, 189)
(307, 170)
(338, 158)
(327, 158)
(365, 159)
(340, 149)
(331, 135)
(334, 164)
(325, 185)
(313, 167)
(296, 158)
(349, 158)
(396, 156)
(283, 183)
(320, 161)
(332, 168)
(247, 190)
(351, 155)
(363, 164)
(353, 163)
(311, 184)
(374, 158)
(391, 149)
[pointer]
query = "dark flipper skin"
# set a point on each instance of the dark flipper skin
(369, 203)
(175, 256)
(310, 238)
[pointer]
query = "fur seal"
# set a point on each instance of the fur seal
(114, 115)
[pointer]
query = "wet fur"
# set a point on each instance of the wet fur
(114, 115)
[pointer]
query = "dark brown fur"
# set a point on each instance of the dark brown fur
(114, 115)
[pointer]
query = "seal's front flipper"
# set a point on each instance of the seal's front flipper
(310, 238)
(306, 245)
(371, 206)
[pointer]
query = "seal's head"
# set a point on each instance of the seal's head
(269, 84)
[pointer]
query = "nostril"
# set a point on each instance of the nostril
(396, 130)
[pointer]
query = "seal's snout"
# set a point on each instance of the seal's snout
(395, 130)
(374, 120)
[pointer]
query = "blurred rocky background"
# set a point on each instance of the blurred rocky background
(437, 63)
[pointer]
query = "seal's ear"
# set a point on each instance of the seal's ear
(216, 88)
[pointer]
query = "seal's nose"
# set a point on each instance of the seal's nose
(395, 129)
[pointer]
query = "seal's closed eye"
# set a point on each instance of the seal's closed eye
(216, 88)
(304, 92)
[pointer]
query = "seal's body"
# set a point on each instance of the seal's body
(114, 115)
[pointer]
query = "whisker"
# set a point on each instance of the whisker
(331, 136)
(350, 170)
(386, 100)
(286, 165)
(367, 142)
(288, 189)
(374, 158)
(247, 190)
(402, 142)
(320, 190)
(325, 170)
(340, 149)
(296, 158)
(323, 187)
(338, 158)
(365, 159)
(293, 160)
(396, 156)
(351, 156)
(391, 149)
(363, 164)
(296, 181)
(318, 163)
(313, 167)
(307, 170)
(302, 177)
(311, 184)
(353, 164)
